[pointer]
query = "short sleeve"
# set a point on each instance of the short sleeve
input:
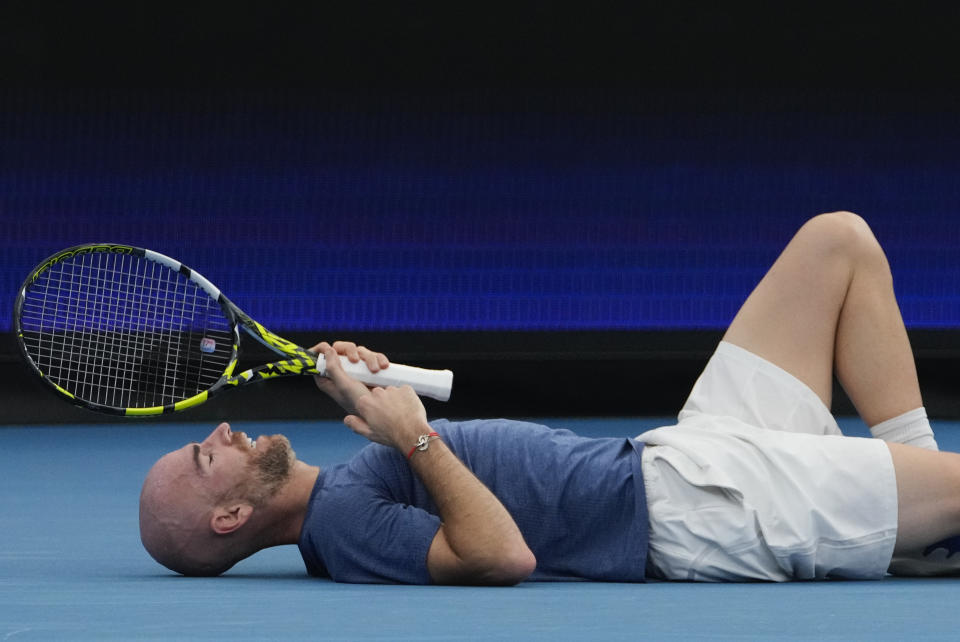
(371, 539)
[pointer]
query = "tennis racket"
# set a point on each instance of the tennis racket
(129, 331)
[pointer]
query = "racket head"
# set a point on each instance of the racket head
(124, 330)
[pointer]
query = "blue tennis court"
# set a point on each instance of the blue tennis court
(564, 207)
(72, 567)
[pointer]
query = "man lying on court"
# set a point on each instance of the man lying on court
(753, 483)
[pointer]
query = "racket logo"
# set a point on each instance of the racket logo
(86, 249)
(208, 345)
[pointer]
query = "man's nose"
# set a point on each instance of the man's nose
(221, 434)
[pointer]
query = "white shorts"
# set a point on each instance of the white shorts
(756, 483)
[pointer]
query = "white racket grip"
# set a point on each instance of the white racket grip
(435, 384)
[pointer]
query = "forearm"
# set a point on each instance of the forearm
(478, 541)
(480, 532)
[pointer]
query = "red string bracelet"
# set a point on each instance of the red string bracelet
(423, 442)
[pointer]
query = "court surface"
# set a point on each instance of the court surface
(72, 568)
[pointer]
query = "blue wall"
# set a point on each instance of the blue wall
(595, 210)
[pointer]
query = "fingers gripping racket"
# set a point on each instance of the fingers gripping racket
(128, 331)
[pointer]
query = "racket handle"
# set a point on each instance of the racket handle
(435, 384)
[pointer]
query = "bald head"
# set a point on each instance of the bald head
(198, 502)
(174, 520)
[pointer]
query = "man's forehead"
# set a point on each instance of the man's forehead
(173, 490)
(177, 462)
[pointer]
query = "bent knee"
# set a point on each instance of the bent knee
(845, 226)
(843, 233)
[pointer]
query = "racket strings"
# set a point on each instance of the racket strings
(123, 331)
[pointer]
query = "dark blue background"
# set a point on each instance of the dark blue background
(473, 210)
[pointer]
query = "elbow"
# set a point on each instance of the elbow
(489, 562)
(512, 567)
(523, 566)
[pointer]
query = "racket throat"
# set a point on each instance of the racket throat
(287, 368)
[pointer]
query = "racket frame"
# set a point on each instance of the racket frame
(300, 361)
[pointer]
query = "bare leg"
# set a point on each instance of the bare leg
(928, 499)
(928, 496)
(827, 305)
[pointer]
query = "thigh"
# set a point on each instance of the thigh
(928, 495)
(790, 318)
(737, 383)
(808, 506)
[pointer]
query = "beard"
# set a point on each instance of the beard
(273, 467)
(267, 471)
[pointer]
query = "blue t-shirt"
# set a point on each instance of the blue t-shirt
(579, 502)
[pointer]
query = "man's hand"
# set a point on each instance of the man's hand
(390, 416)
(338, 385)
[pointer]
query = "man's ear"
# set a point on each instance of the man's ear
(227, 519)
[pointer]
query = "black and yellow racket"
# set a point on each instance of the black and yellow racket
(128, 331)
